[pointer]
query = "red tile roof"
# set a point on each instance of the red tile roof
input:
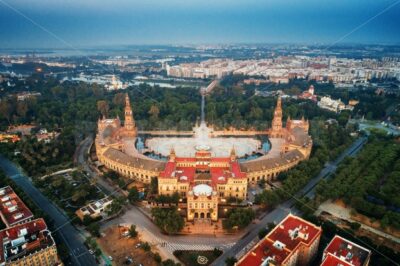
(24, 239)
(283, 241)
(12, 209)
(331, 260)
(220, 169)
(347, 251)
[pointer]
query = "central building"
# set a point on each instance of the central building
(204, 181)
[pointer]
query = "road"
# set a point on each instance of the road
(79, 253)
(245, 243)
(80, 157)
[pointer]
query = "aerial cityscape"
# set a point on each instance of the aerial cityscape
(166, 133)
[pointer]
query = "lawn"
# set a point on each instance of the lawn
(197, 257)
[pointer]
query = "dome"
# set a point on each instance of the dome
(202, 189)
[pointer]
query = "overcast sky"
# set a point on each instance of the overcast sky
(104, 22)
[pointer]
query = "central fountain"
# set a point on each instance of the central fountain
(202, 140)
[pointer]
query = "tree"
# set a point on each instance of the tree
(230, 261)
(115, 206)
(168, 220)
(263, 232)
(103, 108)
(132, 231)
(146, 246)
(94, 229)
(157, 257)
(239, 218)
(133, 195)
(154, 112)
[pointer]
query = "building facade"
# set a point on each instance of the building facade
(225, 177)
(204, 181)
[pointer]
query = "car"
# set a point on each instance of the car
(138, 245)
(91, 251)
(110, 258)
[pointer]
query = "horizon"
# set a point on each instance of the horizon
(43, 24)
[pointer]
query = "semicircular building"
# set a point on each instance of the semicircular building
(203, 179)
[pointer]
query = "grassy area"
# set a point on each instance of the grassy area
(196, 257)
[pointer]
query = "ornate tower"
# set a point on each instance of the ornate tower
(172, 155)
(129, 124)
(233, 154)
(289, 123)
(276, 130)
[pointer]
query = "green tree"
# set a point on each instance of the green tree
(168, 220)
(132, 231)
(230, 261)
(133, 195)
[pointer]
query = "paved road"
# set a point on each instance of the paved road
(246, 242)
(80, 158)
(70, 235)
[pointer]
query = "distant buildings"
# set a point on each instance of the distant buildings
(7, 138)
(94, 209)
(336, 106)
(309, 94)
(283, 68)
(24, 130)
(292, 242)
(341, 251)
(25, 241)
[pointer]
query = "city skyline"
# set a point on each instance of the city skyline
(88, 24)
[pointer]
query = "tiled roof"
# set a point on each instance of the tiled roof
(347, 251)
(24, 239)
(12, 209)
(283, 241)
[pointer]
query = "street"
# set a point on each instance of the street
(75, 243)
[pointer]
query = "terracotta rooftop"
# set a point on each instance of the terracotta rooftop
(331, 260)
(218, 170)
(282, 242)
(24, 239)
(12, 209)
(348, 251)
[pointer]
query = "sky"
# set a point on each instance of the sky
(90, 23)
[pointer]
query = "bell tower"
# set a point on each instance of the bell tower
(276, 130)
(129, 124)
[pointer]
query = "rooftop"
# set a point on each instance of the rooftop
(218, 170)
(347, 251)
(332, 260)
(24, 239)
(12, 209)
(281, 242)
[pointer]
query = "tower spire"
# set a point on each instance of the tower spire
(276, 129)
(233, 154)
(129, 124)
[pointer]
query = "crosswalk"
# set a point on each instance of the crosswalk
(172, 246)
